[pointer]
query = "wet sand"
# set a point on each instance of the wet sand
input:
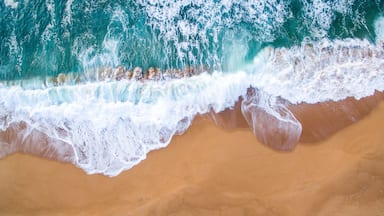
(214, 171)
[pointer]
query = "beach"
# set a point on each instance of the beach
(180, 107)
(211, 170)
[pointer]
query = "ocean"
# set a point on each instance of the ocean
(270, 54)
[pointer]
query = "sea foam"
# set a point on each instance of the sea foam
(11, 3)
(110, 126)
(320, 71)
(379, 30)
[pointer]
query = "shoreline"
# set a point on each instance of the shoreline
(211, 170)
(318, 122)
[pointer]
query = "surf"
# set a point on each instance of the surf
(109, 126)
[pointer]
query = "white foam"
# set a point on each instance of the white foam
(113, 125)
(319, 15)
(11, 3)
(321, 71)
(15, 50)
(379, 29)
(67, 18)
(194, 24)
(49, 33)
(90, 58)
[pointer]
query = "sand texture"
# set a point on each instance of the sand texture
(219, 171)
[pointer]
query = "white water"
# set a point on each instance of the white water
(379, 30)
(11, 3)
(321, 71)
(111, 126)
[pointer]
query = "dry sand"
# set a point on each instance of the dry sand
(213, 171)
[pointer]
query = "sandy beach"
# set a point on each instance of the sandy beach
(192, 108)
(214, 171)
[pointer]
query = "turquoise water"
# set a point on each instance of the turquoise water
(41, 38)
(290, 52)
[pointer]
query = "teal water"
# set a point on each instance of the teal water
(45, 38)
